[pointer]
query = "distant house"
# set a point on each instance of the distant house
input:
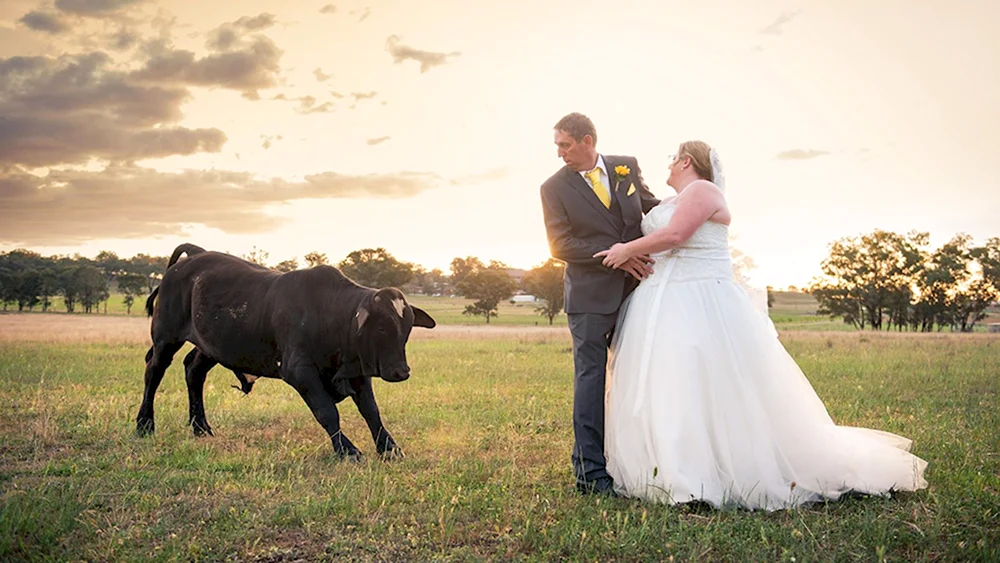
(523, 299)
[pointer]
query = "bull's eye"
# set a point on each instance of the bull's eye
(381, 329)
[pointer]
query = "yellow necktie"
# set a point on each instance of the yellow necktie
(599, 189)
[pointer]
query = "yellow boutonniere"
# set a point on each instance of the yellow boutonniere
(621, 172)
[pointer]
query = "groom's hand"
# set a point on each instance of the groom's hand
(638, 267)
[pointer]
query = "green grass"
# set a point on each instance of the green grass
(486, 428)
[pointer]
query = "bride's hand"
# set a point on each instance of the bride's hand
(614, 256)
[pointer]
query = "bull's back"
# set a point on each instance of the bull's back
(226, 304)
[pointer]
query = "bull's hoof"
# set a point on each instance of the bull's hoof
(353, 455)
(392, 454)
(201, 428)
(144, 427)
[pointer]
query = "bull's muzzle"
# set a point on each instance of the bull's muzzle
(395, 375)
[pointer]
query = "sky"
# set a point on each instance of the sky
(426, 127)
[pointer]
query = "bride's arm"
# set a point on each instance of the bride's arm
(695, 205)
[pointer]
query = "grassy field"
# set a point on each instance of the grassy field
(788, 307)
(485, 423)
(791, 311)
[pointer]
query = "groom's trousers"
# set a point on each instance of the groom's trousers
(590, 333)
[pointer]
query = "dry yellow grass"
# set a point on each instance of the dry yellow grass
(35, 327)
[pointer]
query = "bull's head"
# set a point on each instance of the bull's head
(381, 327)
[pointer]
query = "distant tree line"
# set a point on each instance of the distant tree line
(30, 281)
(884, 280)
(881, 281)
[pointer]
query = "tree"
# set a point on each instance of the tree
(867, 277)
(375, 267)
(131, 285)
(6, 282)
(28, 287)
(23, 279)
(488, 286)
(151, 268)
(314, 259)
(988, 257)
(110, 264)
(462, 267)
(257, 256)
(69, 283)
(50, 284)
(546, 282)
(93, 286)
(289, 265)
(967, 292)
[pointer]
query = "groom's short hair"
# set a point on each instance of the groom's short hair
(577, 126)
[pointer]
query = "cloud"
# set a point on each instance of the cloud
(95, 8)
(228, 35)
(363, 95)
(70, 207)
(427, 59)
(336, 94)
(328, 9)
(71, 109)
(377, 140)
(307, 105)
(41, 21)
(123, 40)
(362, 14)
(253, 67)
(268, 138)
(800, 154)
(320, 75)
(262, 21)
(776, 27)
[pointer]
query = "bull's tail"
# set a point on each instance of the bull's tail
(151, 300)
(189, 249)
(186, 248)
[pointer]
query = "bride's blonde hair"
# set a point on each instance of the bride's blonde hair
(698, 151)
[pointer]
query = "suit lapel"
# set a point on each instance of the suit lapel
(610, 164)
(588, 194)
(620, 194)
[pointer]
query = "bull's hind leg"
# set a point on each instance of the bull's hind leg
(196, 368)
(305, 378)
(158, 359)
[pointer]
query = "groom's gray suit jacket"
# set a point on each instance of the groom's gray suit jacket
(579, 226)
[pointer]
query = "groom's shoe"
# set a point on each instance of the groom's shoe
(603, 486)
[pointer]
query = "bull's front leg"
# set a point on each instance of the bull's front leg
(364, 398)
(305, 378)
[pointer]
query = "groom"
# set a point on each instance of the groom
(590, 204)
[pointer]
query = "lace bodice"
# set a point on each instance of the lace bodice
(703, 256)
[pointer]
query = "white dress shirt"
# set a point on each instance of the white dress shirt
(604, 175)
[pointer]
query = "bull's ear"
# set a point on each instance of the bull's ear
(361, 316)
(421, 318)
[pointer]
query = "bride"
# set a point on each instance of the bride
(704, 403)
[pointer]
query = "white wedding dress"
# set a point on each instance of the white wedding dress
(704, 403)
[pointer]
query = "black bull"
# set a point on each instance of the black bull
(323, 334)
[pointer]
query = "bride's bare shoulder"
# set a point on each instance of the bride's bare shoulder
(703, 186)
